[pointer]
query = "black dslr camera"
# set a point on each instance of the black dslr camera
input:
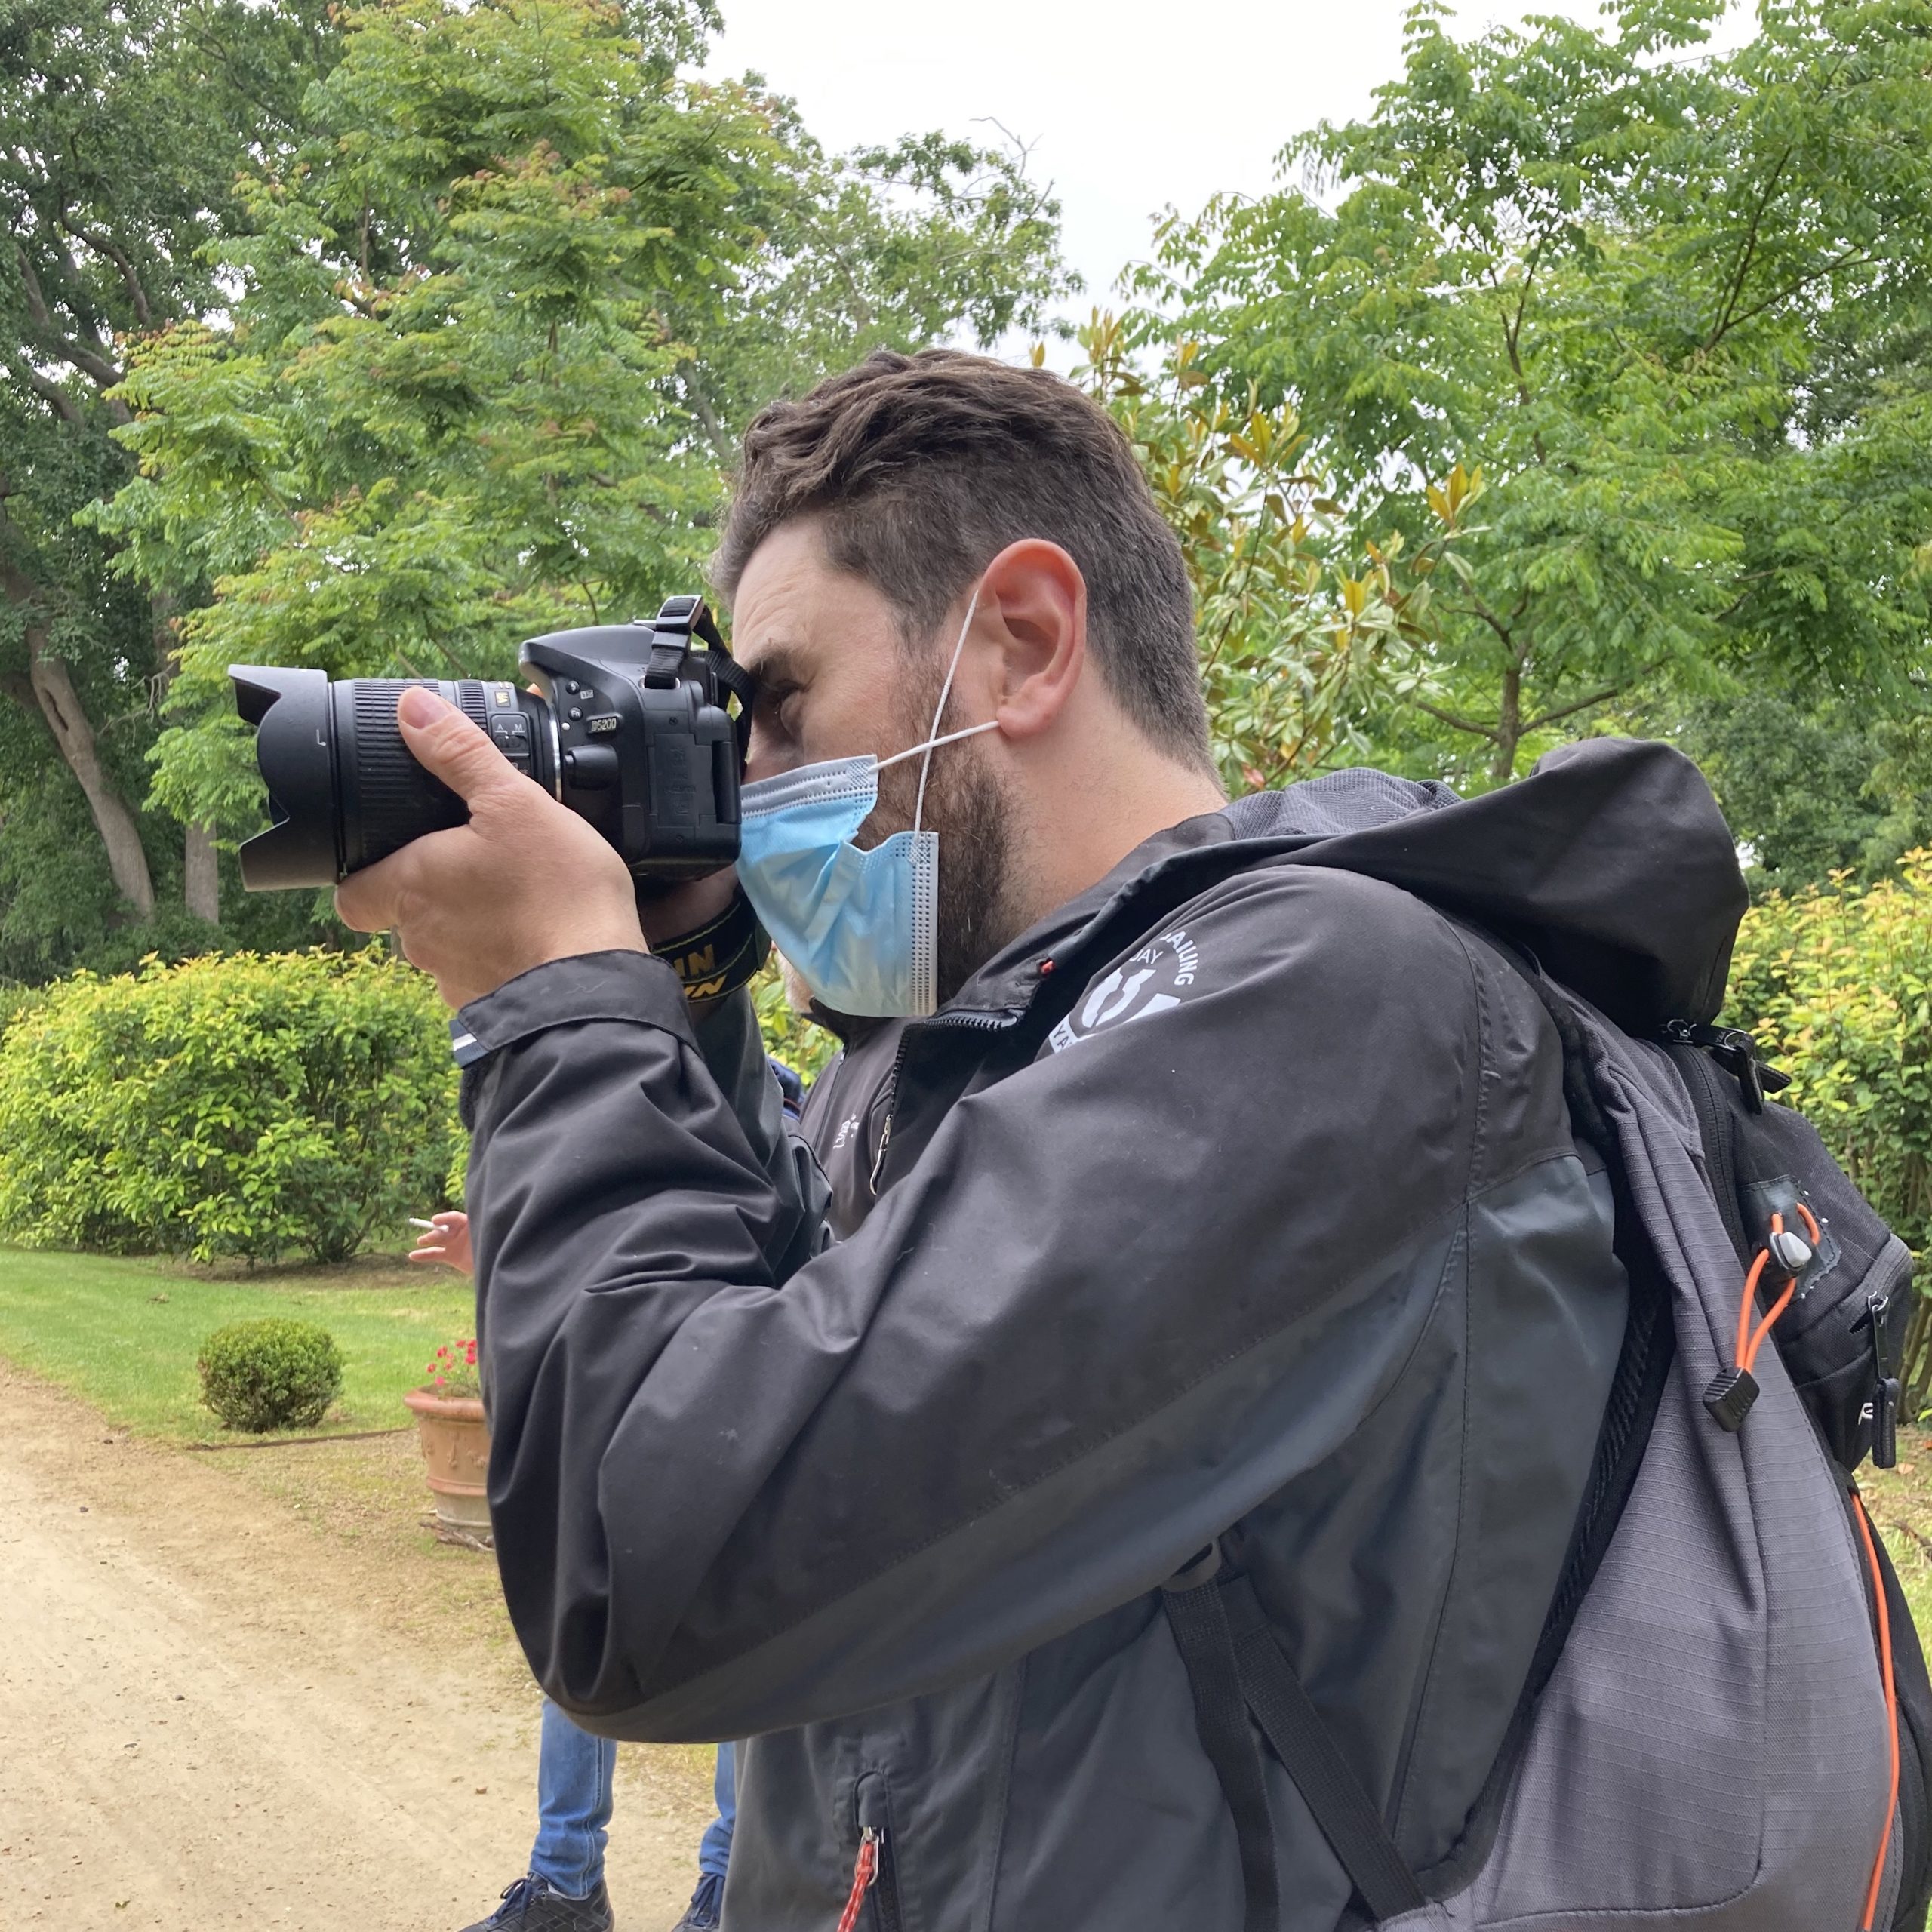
(631, 732)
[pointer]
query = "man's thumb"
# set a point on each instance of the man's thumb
(446, 742)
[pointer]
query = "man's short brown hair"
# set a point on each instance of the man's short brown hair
(922, 468)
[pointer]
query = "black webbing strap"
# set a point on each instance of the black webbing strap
(1350, 1819)
(1198, 1617)
(1235, 1668)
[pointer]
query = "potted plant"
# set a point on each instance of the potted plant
(455, 1438)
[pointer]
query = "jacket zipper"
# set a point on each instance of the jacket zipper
(873, 1871)
(885, 1132)
(991, 1021)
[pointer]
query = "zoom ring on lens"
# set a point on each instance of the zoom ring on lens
(388, 799)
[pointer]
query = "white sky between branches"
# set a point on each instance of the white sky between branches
(1128, 108)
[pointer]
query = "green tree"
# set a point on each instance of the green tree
(1674, 303)
(1299, 640)
(121, 127)
(499, 314)
(1795, 782)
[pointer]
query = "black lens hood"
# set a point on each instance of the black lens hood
(290, 713)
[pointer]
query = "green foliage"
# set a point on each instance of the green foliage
(1816, 786)
(1836, 982)
(16, 999)
(502, 311)
(122, 128)
(271, 1374)
(1674, 304)
(1299, 642)
(243, 1106)
(440, 320)
(805, 1047)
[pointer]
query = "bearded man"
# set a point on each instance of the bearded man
(1220, 1301)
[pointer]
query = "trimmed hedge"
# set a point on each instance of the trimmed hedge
(1837, 986)
(245, 1106)
(268, 1374)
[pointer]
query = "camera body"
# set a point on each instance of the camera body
(644, 749)
(628, 729)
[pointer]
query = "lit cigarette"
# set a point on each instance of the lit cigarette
(417, 1221)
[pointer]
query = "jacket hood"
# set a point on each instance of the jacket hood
(1610, 863)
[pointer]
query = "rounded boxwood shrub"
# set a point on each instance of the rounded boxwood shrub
(270, 1374)
(249, 1106)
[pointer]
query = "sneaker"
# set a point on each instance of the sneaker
(532, 1904)
(702, 1913)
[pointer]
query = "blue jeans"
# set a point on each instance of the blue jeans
(714, 1851)
(573, 1775)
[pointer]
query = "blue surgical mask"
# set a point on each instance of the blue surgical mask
(862, 927)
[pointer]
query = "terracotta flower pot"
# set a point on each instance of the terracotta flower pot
(456, 1454)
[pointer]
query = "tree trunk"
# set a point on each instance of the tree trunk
(201, 876)
(60, 705)
(1509, 724)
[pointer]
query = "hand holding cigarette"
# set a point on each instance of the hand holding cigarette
(445, 1238)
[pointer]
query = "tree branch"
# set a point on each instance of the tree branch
(1570, 710)
(105, 245)
(88, 361)
(1512, 337)
(1476, 607)
(707, 415)
(1849, 259)
(1721, 327)
(1456, 723)
(51, 393)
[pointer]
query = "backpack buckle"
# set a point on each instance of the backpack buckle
(1736, 1052)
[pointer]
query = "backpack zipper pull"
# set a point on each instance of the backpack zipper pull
(865, 1870)
(1885, 1392)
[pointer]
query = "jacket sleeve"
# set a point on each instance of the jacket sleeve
(1124, 1294)
(733, 1050)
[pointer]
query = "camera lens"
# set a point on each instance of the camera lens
(644, 751)
(344, 790)
(385, 798)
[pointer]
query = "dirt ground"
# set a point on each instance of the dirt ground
(246, 1689)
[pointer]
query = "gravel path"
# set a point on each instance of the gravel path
(206, 1720)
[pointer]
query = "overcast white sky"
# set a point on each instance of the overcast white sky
(1129, 107)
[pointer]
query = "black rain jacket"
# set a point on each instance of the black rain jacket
(1238, 1198)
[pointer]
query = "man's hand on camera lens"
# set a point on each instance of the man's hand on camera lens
(525, 882)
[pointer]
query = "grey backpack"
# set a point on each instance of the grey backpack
(1728, 1720)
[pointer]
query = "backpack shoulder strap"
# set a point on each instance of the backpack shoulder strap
(1198, 1616)
(1237, 1671)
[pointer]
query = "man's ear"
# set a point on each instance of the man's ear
(1033, 603)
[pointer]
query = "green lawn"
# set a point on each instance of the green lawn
(125, 1333)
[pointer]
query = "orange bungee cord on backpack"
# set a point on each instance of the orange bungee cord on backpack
(1784, 1258)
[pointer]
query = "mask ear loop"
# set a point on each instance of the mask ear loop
(939, 712)
(934, 744)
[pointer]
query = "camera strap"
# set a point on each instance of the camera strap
(719, 957)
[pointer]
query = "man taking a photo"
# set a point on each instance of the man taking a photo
(1227, 1269)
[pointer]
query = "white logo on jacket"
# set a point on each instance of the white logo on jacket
(1156, 979)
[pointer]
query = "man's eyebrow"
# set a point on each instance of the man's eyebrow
(777, 666)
